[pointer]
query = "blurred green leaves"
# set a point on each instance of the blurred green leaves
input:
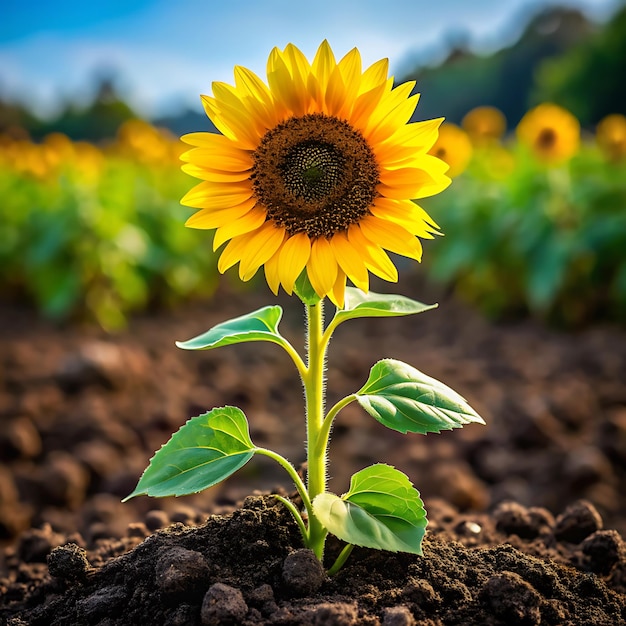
(100, 240)
(543, 241)
(98, 234)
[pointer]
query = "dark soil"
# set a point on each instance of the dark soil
(526, 513)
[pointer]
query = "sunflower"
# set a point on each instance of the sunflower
(314, 172)
(551, 132)
(484, 125)
(454, 147)
(611, 136)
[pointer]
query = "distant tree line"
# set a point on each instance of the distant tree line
(560, 57)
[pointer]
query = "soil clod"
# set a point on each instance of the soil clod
(223, 604)
(302, 574)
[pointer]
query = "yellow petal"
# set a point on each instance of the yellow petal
(391, 236)
(350, 67)
(297, 62)
(402, 176)
(366, 104)
(375, 75)
(407, 214)
(323, 65)
(208, 195)
(209, 219)
(213, 113)
(437, 186)
(226, 159)
(272, 272)
(430, 179)
(214, 176)
(396, 118)
(245, 224)
(322, 267)
(247, 81)
(294, 255)
(426, 182)
(233, 252)
(374, 257)
(244, 112)
(390, 100)
(208, 140)
(231, 121)
(262, 245)
(259, 97)
(350, 261)
(335, 97)
(407, 141)
(288, 90)
(338, 292)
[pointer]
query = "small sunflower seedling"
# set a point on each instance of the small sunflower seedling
(313, 178)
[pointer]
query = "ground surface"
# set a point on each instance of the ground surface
(510, 540)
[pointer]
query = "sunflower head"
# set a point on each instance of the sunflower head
(611, 136)
(551, 132)
(314, 172)
(454, 147)
(484, 125)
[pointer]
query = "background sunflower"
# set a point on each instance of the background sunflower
(551, 132)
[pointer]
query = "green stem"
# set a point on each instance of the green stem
(328, 333)
(291, 470)
(296, 514)
(314, 395)
(330, 416)
(341, 559)
(295, 357)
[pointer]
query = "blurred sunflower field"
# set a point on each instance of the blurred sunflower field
(534, 222)
(96, 231)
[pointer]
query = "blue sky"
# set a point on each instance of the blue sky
(167, 52)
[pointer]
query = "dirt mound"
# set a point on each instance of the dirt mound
(82, 412)
(250, 568)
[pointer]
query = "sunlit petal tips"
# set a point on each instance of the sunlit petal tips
(314, 170)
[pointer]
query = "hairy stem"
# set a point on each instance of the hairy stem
(291, 470)
(314, 394)
(328, 420)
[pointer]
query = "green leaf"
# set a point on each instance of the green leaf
(361, 304)
(304, 290)
(382, 510)
(404, 399)
(260, 325)
(205, 451)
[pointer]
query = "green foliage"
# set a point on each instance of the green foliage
(404, 399)
(544, 241)
(583, 79)
(304, 290)
(261, 325)
(382, 510)
(360, 304)
(100, 239)
(205, 451)
(504, 79)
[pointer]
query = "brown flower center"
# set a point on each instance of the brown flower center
(315, 174)
(546, 139)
